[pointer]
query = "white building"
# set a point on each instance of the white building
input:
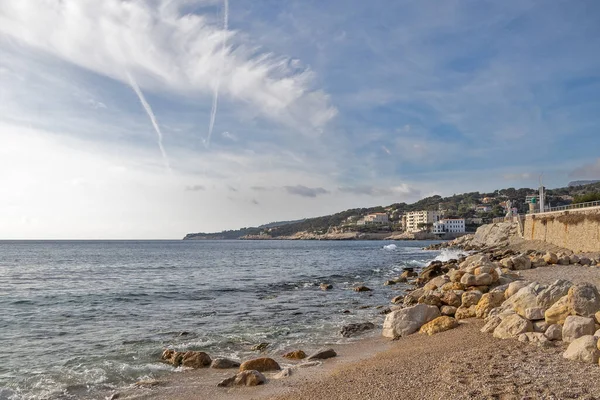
(449, 225)
(375, 218)
(417, 220)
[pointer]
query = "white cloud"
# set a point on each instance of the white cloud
(167, 50)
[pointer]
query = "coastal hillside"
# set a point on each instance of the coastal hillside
(477, 209)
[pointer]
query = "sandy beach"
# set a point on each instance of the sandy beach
(462, 363)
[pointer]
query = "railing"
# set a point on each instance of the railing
(574, 206)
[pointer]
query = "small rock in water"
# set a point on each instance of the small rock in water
(249, 378)
(223, 363)
(260, 364)
(322, 354)
(326, 286)
(284, 373)
(260, 346)
(184, 333)
(295, 355)
(362, 289)
(346, 312)
(355, 329)
(196, 359)
(115, 396)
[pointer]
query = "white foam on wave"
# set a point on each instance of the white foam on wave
(390, 247)
(448, 254)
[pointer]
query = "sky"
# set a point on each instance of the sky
(150, 119)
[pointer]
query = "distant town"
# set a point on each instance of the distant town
(432, 217)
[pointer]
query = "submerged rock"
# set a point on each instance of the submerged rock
(260, 346)
(361, 289)
(326, 286)
(356, 329)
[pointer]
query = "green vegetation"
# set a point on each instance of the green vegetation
(585, 198)
(456, 206)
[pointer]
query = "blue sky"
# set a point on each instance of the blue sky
(322, 106)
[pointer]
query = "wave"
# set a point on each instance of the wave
(449, 254)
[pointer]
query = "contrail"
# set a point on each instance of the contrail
(148, 109)
(215, 103)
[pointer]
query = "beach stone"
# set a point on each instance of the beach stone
(455, 275)
(535, 313)
(576, 327)
(488, 302)
(540, 326)
(585, 261)
(322, 354)
(408, 320)
(408, 274)
(551, 258)
(463, 312)
(514, 287)
(437, 282)
(249, 378)
(448, 310)
(309, 364)
(196, 359)
(295, 355)
(440, 324)
(573, 259)
(471, 298)
(483, 280)
(597, 335)
(284, 373)
(558, 312)
(597, 317)
(326, 286)
(525, 298)
(521, 262)
(532, 337)
(401, 279)
(398, 299)
(224, 363)
(491, 324)
(356, 329)
(260, 364)
(584, 299)
(564, 260)
(550, 295)
(507, 262)
(389, 282)
(468, 280)
(362, 289)
(554, 332)
(583, 349)
(227, 381)
(169, 355)
(430, 299)
(451, 299)
(484, 269)
(512, 326)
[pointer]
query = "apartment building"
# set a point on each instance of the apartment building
(417, 220)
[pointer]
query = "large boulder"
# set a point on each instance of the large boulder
(512, 326)
(558, 312)
(525, 298)
(471, 298)
(584, 349)
(483, 279)
(550, 295)
(448, 310)
(576, 327)
(260, 364)
(535, 313)
(408, 320)
(584, 299)
(491, 324)
(440, 324)
(451, 299)
(487, 302)
(463, 312)
(468, 280)
(430, 299)
(514, 287)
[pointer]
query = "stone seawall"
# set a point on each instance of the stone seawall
(576, 230)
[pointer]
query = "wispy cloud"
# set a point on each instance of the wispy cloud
(303, 191)
(587, 171)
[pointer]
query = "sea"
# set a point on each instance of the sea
(81, 318)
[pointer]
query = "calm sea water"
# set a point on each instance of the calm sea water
(78, 318)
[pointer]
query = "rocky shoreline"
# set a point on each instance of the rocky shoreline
(487, 284)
